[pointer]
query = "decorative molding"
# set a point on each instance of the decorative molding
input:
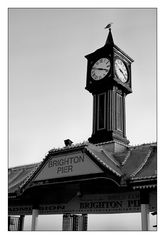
(98, 110)
(94, 113)
(118, 51)
(113, 141)
(145, 186)
(12, 196)
(141, 179)
(119, 91)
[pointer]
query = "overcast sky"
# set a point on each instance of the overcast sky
(48, 102)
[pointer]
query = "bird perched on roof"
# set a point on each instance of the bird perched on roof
(109, 25)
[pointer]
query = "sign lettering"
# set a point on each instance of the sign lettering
(74, 164)
(111, 204)
(65, 165)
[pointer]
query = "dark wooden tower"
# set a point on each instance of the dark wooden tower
(109, 81)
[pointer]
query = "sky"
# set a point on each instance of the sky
(48, 102)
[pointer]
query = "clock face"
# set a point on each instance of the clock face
(121, 70)
(100, 69)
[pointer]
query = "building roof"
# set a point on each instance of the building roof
(17, 176)
(136, 164)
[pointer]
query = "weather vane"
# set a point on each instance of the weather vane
(109, 26)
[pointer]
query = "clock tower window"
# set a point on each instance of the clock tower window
(101, 111)
(119, 112)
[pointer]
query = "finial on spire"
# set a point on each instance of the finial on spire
(109, 40)
(109, 25)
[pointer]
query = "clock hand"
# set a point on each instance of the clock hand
(119, 68)
(121, 71)
(102, 69)
(124, 74)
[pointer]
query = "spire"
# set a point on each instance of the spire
(109, 40)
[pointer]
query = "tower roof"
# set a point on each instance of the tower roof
(109, 40)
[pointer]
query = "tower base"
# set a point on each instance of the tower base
(104, 136)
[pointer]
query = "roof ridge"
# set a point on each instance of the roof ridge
(113, 160)
(126, 158)
(84, 143)
(144, 144)
(23, 166)
(101, 161)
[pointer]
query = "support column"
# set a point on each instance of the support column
(145, 217)
(67, 222)
(84, 222)
(9, 223)
(21, 223)
(35, 213)
(144, 201)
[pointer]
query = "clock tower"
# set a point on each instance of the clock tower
(109, 81)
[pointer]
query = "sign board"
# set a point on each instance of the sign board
(94, 204)
(67, 165)
(20, 210)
